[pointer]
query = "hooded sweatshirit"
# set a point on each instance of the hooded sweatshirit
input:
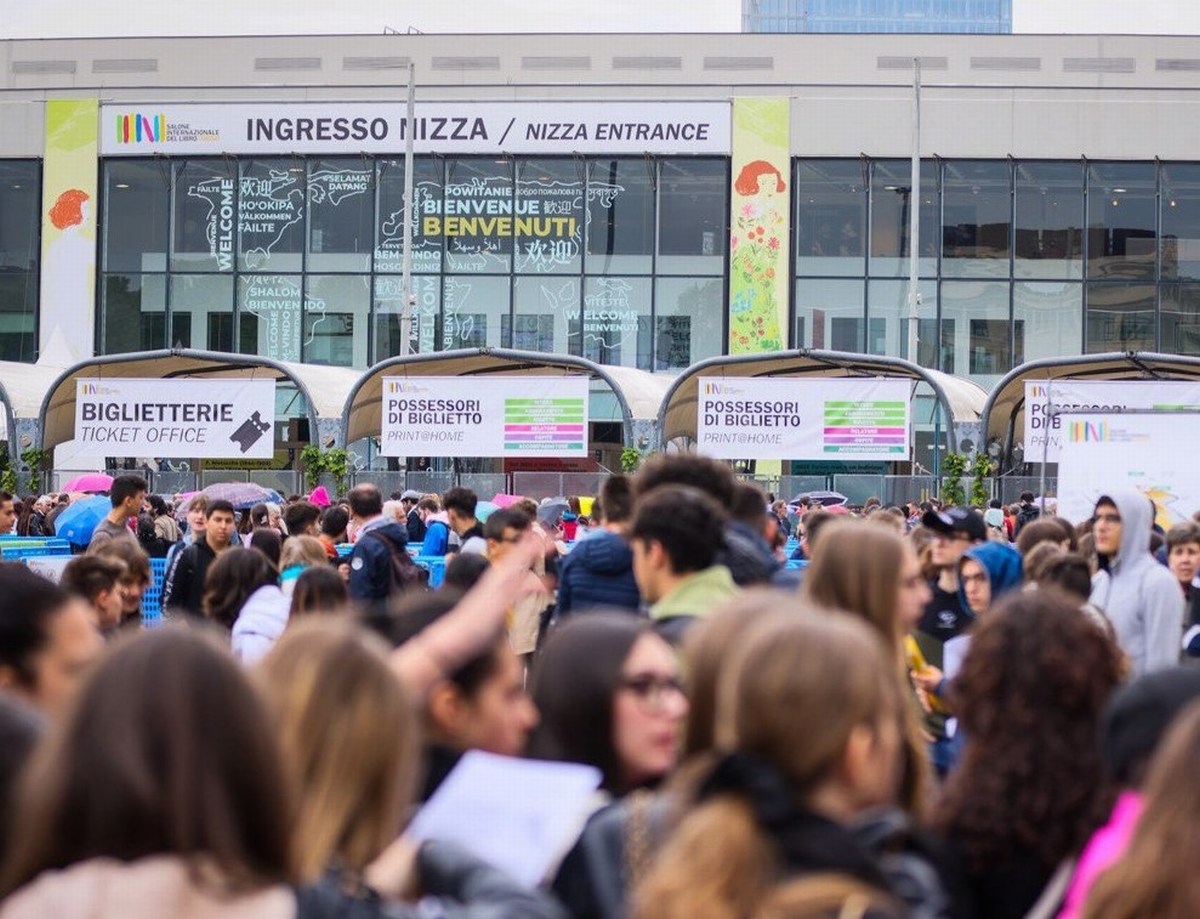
(1139, 597)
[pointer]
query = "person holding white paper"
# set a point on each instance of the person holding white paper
(348, 731)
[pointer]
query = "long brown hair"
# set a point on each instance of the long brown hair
(164, 750)
(857, 568)
(348, 729)
(1156, 879)
(792, 695)
(706, 654)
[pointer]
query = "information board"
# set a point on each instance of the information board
(492, 416)
(772, 418)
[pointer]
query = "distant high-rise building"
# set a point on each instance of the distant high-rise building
(982, 16)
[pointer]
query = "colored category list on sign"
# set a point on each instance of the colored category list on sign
(551, 425)
(866, 427)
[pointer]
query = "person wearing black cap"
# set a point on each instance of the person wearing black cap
(955, 531)
(946, 615)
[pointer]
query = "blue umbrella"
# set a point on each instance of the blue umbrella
(79, 520)
(485, 509)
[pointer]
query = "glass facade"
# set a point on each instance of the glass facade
(622, 260)
(1018, 260)
(963, 16)
(20, 244)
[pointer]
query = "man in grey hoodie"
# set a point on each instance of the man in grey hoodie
(1138, 596)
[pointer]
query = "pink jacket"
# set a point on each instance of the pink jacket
(1105, 847)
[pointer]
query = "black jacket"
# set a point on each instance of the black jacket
(183, 588)
(465, 886)
(371, 561)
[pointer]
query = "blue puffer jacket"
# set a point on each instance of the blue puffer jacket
(598, 572)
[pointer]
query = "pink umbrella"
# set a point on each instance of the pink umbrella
(503, 501)
(90, 482)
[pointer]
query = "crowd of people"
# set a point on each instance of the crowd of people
(936, 712)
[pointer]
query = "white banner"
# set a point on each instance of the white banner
(204, 419)
(1046, 398)
(1151, 453)
(484, 416)
(441, 127)
(838, 420)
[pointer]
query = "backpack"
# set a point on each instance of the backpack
(406, 574)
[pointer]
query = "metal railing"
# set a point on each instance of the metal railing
(890, 489)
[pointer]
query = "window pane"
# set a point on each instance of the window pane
(548, 223)
(136, 195)
(617, 328)
(475, 312)
(20, 190)
(1049, 319)
(269, 316)
(692, 216)
(620, 220)
(1121, 215)
(389, 313)
(1180, 323)
(427, 203)
(194, 299)
(205, 215)
(1049, 237)
(20, 201)
(271, 215)
(979, 313)
(341, 200)
(891, 183)
(887, 306)
(688, 321)
(546, 315)
(478, 193)
(336, 313)
(1120, 317)
(823, 308)
(132, 313)
(1181, 221)
(976, 218)
(831, 217)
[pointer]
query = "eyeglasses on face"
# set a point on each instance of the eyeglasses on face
(651, 690)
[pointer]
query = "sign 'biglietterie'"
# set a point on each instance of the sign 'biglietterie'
(209, 419)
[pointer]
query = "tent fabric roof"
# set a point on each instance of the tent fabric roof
(961, 400)
(362, 416)
(324, 388)
(1005, 409)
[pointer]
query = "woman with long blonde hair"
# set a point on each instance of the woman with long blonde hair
(873, 573)
(808, 712)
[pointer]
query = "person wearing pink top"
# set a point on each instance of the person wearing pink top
(1137, 718)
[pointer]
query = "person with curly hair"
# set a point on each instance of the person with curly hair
(1029, 789)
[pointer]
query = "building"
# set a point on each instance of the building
(859, 16)
(648, 203)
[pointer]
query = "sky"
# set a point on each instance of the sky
(90, 18)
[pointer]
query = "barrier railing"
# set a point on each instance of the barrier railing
(890, 489)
